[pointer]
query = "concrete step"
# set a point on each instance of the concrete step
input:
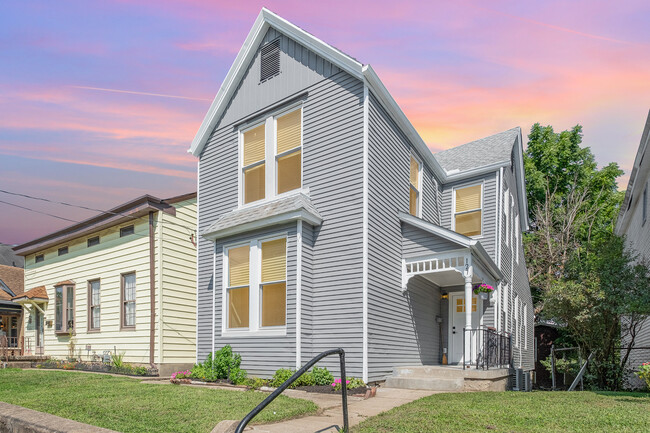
(429, 372)
(429, 384)
(19, 364)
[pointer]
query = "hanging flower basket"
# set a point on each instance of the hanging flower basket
(483, 290)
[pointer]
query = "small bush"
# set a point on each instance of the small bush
(280, 376)
(256, 382)
(644, 373)
(117, 360)
(351, 383)
(322, 376)
(238, 376)
(223, 365)
(307, 379)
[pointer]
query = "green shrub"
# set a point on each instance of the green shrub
(280, 376)
(352, 383)
(256, 382)
(223, 365)
(322, 376)
(307, 379)
(117, 360)
(238, 376)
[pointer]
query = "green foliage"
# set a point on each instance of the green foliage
(322, 376)
(644, 373)
(281, 376)
(238, 376)
(256, 382)
(351, 383)
(307, 379)
(569, 365)
(223, 365)
(117, 360)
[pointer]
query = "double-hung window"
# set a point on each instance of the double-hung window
(256, 285)
(272, 157)
(128, 300)
(64, 308)
(414, 192)
(93, 305)
(468, 210)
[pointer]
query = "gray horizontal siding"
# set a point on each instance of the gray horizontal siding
(417, 242)
(332, 170)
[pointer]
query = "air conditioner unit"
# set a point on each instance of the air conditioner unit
(522, 381)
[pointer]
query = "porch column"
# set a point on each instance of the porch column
(469, 272)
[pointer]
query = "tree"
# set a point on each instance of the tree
(579, 271)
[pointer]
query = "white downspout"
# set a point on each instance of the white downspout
(298, 294)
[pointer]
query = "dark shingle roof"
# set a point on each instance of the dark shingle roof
(479, 153)
(281, 206)
(9, 258)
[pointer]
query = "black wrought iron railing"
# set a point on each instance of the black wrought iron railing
(488, 348)
(344, 393)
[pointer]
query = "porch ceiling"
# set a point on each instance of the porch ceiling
(449, 278)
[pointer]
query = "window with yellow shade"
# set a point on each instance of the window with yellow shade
(414, 191)
(254, 170)
(238, 290)
(288, 151)
(468, 210)
(273, 283)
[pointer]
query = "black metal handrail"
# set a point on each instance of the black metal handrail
(344, 391)
(489, 348)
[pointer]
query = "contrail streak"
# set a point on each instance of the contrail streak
(131, 92)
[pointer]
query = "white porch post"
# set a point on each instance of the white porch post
(469, 272)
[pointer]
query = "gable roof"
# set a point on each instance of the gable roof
(39, 292)
(633, 185)
(493, 150)
(11, 282)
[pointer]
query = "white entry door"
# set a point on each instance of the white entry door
(457, 323)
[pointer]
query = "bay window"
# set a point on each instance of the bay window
(238, 286)
(468, 210)
(64, 308)
(271, 157)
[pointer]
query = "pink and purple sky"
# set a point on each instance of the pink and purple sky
(100, 100)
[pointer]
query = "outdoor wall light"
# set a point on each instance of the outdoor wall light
(444, 296)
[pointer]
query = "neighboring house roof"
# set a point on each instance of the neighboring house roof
(493, 150)
(290, 208)
(39, 293)
(9, 258)
(634, 188)
(120, 214)
(461, 240)
(11, 282)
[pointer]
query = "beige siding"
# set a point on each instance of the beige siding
(175, 284)
(179, 286)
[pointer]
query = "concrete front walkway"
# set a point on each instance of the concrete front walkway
(330, 417)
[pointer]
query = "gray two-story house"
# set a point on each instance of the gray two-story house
(327, 222)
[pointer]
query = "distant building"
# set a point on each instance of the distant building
(9, 258)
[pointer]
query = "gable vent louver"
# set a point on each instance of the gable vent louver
(270, 60)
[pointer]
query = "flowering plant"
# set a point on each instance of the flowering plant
(483, 288)
(337, 384)
(644, 373)
(181, 375)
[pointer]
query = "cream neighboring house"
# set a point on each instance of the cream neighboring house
(124, 281)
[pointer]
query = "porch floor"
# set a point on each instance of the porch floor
(448, 378)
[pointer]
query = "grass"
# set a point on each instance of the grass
(517, 412)
(125, 404)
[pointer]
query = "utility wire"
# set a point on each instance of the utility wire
(38, 211)
(191, 231)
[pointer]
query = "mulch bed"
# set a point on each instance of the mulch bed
(328, 389)
(95, 367)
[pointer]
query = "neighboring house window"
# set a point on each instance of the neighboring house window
(39, 258)
(645, 203)
(256, 285)
(274, 282)
(64, 308)
(468, 210)
(93, 305)
(238, 291)
(414, 191)
(254, 164)
(93, 241)
(126, 231)
(128, 300)
(282, 172)
(288, 152)
(63, 250)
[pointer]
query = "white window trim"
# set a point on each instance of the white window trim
(516, 243)
(270, 157)
(506, 212)
(420, 190)
(482, 209)
(254, 291)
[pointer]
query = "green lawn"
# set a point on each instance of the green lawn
(126, 405)
(517, 412)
